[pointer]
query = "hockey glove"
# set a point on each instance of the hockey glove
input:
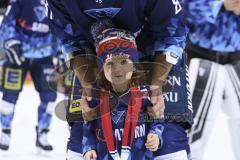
(13, 52)
(60, 64)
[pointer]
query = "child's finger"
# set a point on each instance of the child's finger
(94, 156)
(153, 148)
(150, 144)
(150, 136)
(150, 139)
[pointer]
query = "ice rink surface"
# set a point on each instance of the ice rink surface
(23, 134)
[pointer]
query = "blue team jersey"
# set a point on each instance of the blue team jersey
(26, 20)
(177, 117)
(94, 138)
(158, 25)
(211, 26)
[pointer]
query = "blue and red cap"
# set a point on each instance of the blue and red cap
(113, 42)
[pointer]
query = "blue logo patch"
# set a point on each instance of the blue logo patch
(102, 13)
(117, 116)
(40, 12)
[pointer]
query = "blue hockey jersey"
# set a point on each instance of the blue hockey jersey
(26, 20)
(173, 129)
(160, 25)
(94, 138)
(211, 26)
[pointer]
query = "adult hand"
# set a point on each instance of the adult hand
(88, 112)
(157, 110)
(160, 72)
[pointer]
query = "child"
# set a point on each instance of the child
(122, 131)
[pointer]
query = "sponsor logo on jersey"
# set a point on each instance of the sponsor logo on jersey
(35, 26)
(40, 12)
(140, 131)
(171, 97)
(13, 79)
(117, 115)
(173, 81)
(74, 106)
(102, 13)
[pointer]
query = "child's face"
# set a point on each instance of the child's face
(118, 70)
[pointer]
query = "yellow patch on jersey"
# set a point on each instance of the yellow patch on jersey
(74, 102)
(68, 80)
(74, 106)
(1, 75)
(12, 79)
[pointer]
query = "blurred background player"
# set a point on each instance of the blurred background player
(3, 7)
(27, 46)
(68, 84)
(160, 38)
(214, 54)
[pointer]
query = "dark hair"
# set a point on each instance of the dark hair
(102, 82)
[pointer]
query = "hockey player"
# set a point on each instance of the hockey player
(160, 37)
(214, 52)
(28, 46)
(74, 145)
(3, 6)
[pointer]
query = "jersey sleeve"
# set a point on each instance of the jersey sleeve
(202, 11)
(9, 27)
(71, 36)
(166, 26)
(89, 137)
(157, 128)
